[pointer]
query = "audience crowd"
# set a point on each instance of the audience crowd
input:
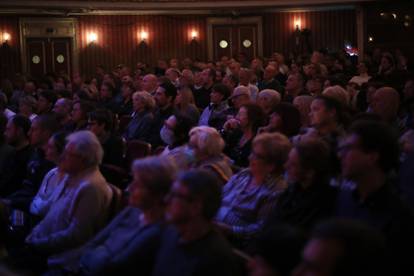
(232, 167)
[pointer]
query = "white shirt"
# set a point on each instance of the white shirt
(9, 114)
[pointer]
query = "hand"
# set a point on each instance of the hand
(231, 124)
(224, 228)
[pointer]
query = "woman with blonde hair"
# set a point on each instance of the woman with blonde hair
(184, 102)
(207, 146)
(140, 125)
(250, 195)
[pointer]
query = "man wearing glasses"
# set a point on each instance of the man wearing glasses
(192, 246)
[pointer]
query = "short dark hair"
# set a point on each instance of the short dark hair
(281, 247)
(85, 106)
(222, 89)
(333, 104)
(378, 137)
(315, 154)
(102, 116)
(205, 186)
(255, 115)
(109, 85)
(363, 247)
(212, 74)
(235, 79)
(290, 115)
(170, 89)
(22, 122)
(48, 122)
(83, 94)
(182, 129)
(49, 95)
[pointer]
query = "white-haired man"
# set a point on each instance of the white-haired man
(83, 205)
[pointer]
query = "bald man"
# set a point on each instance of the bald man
(149, 83)
(270, 80)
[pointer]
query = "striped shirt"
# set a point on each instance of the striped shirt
(245, 207)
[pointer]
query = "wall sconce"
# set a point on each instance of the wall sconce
(144, 37)
(370, 39)
(91, 38)
(6, 37)
(297, 25)
(194, 35)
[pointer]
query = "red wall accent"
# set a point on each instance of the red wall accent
(170, 36)
(118, 39)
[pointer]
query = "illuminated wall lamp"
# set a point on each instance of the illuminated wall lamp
(194, 35)
(91, 38)
(6, 37)
(144, 37)
(297, 25)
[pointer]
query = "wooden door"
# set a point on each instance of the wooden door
(48, 55)
(230, 40)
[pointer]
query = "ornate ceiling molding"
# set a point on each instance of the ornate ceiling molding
(161, 7)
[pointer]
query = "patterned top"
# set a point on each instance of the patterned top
(245, 207)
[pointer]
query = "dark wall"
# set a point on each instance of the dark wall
(390, 33)
(328, 29)
(119, 40)
(10, 51)
(170, 36)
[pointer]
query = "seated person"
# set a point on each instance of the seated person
(129, 243)
(218, 103)
(100, 122)
(82, 209)
(239, 97)
(53, 183)
(139, 128)
(175, 133)
(191, 246)
(164, 99)
(27, 107)
(250, 195)
(343, 247)
(124, 100)
(41, 130)
(62, 110)
(309, 197)
(184, 102)
(284, 118)
(7, 153)
(277, 251)
(46, 101)
(207, 146)
(268, 99)
(17, 135)
(80, 111)
(240, 131)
